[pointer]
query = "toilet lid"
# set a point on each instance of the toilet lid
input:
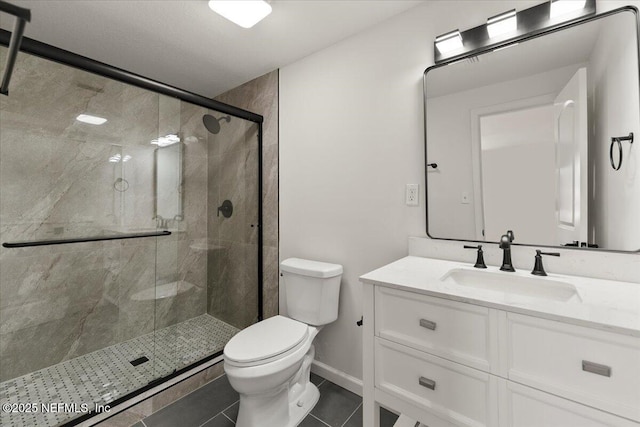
(265, 339)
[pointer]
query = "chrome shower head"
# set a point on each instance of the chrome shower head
(212, 124)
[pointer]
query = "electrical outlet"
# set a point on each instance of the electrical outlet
(412, 194)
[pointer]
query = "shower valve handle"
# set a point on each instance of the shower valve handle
(226, 208)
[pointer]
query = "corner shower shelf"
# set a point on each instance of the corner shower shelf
(84, 239)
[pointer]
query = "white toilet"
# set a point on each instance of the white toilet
(269, 362)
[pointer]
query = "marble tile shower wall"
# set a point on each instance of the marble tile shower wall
(233, 256)
(261, 96)
(56, 181)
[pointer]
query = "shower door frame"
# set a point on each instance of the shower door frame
(52, 53)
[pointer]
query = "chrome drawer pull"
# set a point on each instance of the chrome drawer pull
(596, 368)
(428, 324)
(426, 382)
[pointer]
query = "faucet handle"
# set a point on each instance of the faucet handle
(538, 268)
(480, 260)
(510, 235)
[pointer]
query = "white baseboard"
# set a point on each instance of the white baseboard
(340, 378)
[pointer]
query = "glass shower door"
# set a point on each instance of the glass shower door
(131, 242)
(234, 158)
(76, 319)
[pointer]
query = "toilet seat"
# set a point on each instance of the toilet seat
(266, 341)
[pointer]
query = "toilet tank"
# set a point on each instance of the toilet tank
(312, 290)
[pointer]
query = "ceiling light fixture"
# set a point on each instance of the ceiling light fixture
(563, 7)
(92, 120)
(502, 24)
(245, 13)
(449, 42)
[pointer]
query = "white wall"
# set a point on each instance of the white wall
(351, 137)
(614, 106)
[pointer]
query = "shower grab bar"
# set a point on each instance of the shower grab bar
(84, 239)
(22, 17)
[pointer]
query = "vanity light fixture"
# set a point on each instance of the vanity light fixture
(245, 13)
(502, 30)
(449, 42)
(563, 7)
(502, 24)
(165, 141)
(92, 120)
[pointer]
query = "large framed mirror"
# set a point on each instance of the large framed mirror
(535, 138)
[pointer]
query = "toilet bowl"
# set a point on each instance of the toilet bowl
(269, 363)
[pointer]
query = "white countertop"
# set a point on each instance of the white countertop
(603, 304)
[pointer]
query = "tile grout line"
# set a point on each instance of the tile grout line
(227, 417)
(311, 415)
(349, 417)
(221, 412)
(228, 407)
(210, 419)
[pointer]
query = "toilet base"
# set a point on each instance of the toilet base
(301, 407)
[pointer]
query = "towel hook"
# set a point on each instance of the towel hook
(618, 140)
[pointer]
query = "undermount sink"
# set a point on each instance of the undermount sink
(512, 283)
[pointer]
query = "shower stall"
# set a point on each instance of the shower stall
(130, 216)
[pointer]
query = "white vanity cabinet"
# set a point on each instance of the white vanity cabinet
(449, 362)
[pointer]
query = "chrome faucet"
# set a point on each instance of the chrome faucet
(505, 245)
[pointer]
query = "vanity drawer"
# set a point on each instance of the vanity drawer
(448, 390)
(456, 331)
(600, 369)
(528, 407)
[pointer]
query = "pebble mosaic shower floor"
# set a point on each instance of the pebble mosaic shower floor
(103, 376)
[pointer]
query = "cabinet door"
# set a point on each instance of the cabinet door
(593, 367)
(522, 406)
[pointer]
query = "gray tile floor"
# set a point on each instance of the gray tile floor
(216, 405)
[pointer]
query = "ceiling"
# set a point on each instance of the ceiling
(185, 44)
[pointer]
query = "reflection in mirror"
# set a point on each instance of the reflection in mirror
(521, 137)
(168, 183)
